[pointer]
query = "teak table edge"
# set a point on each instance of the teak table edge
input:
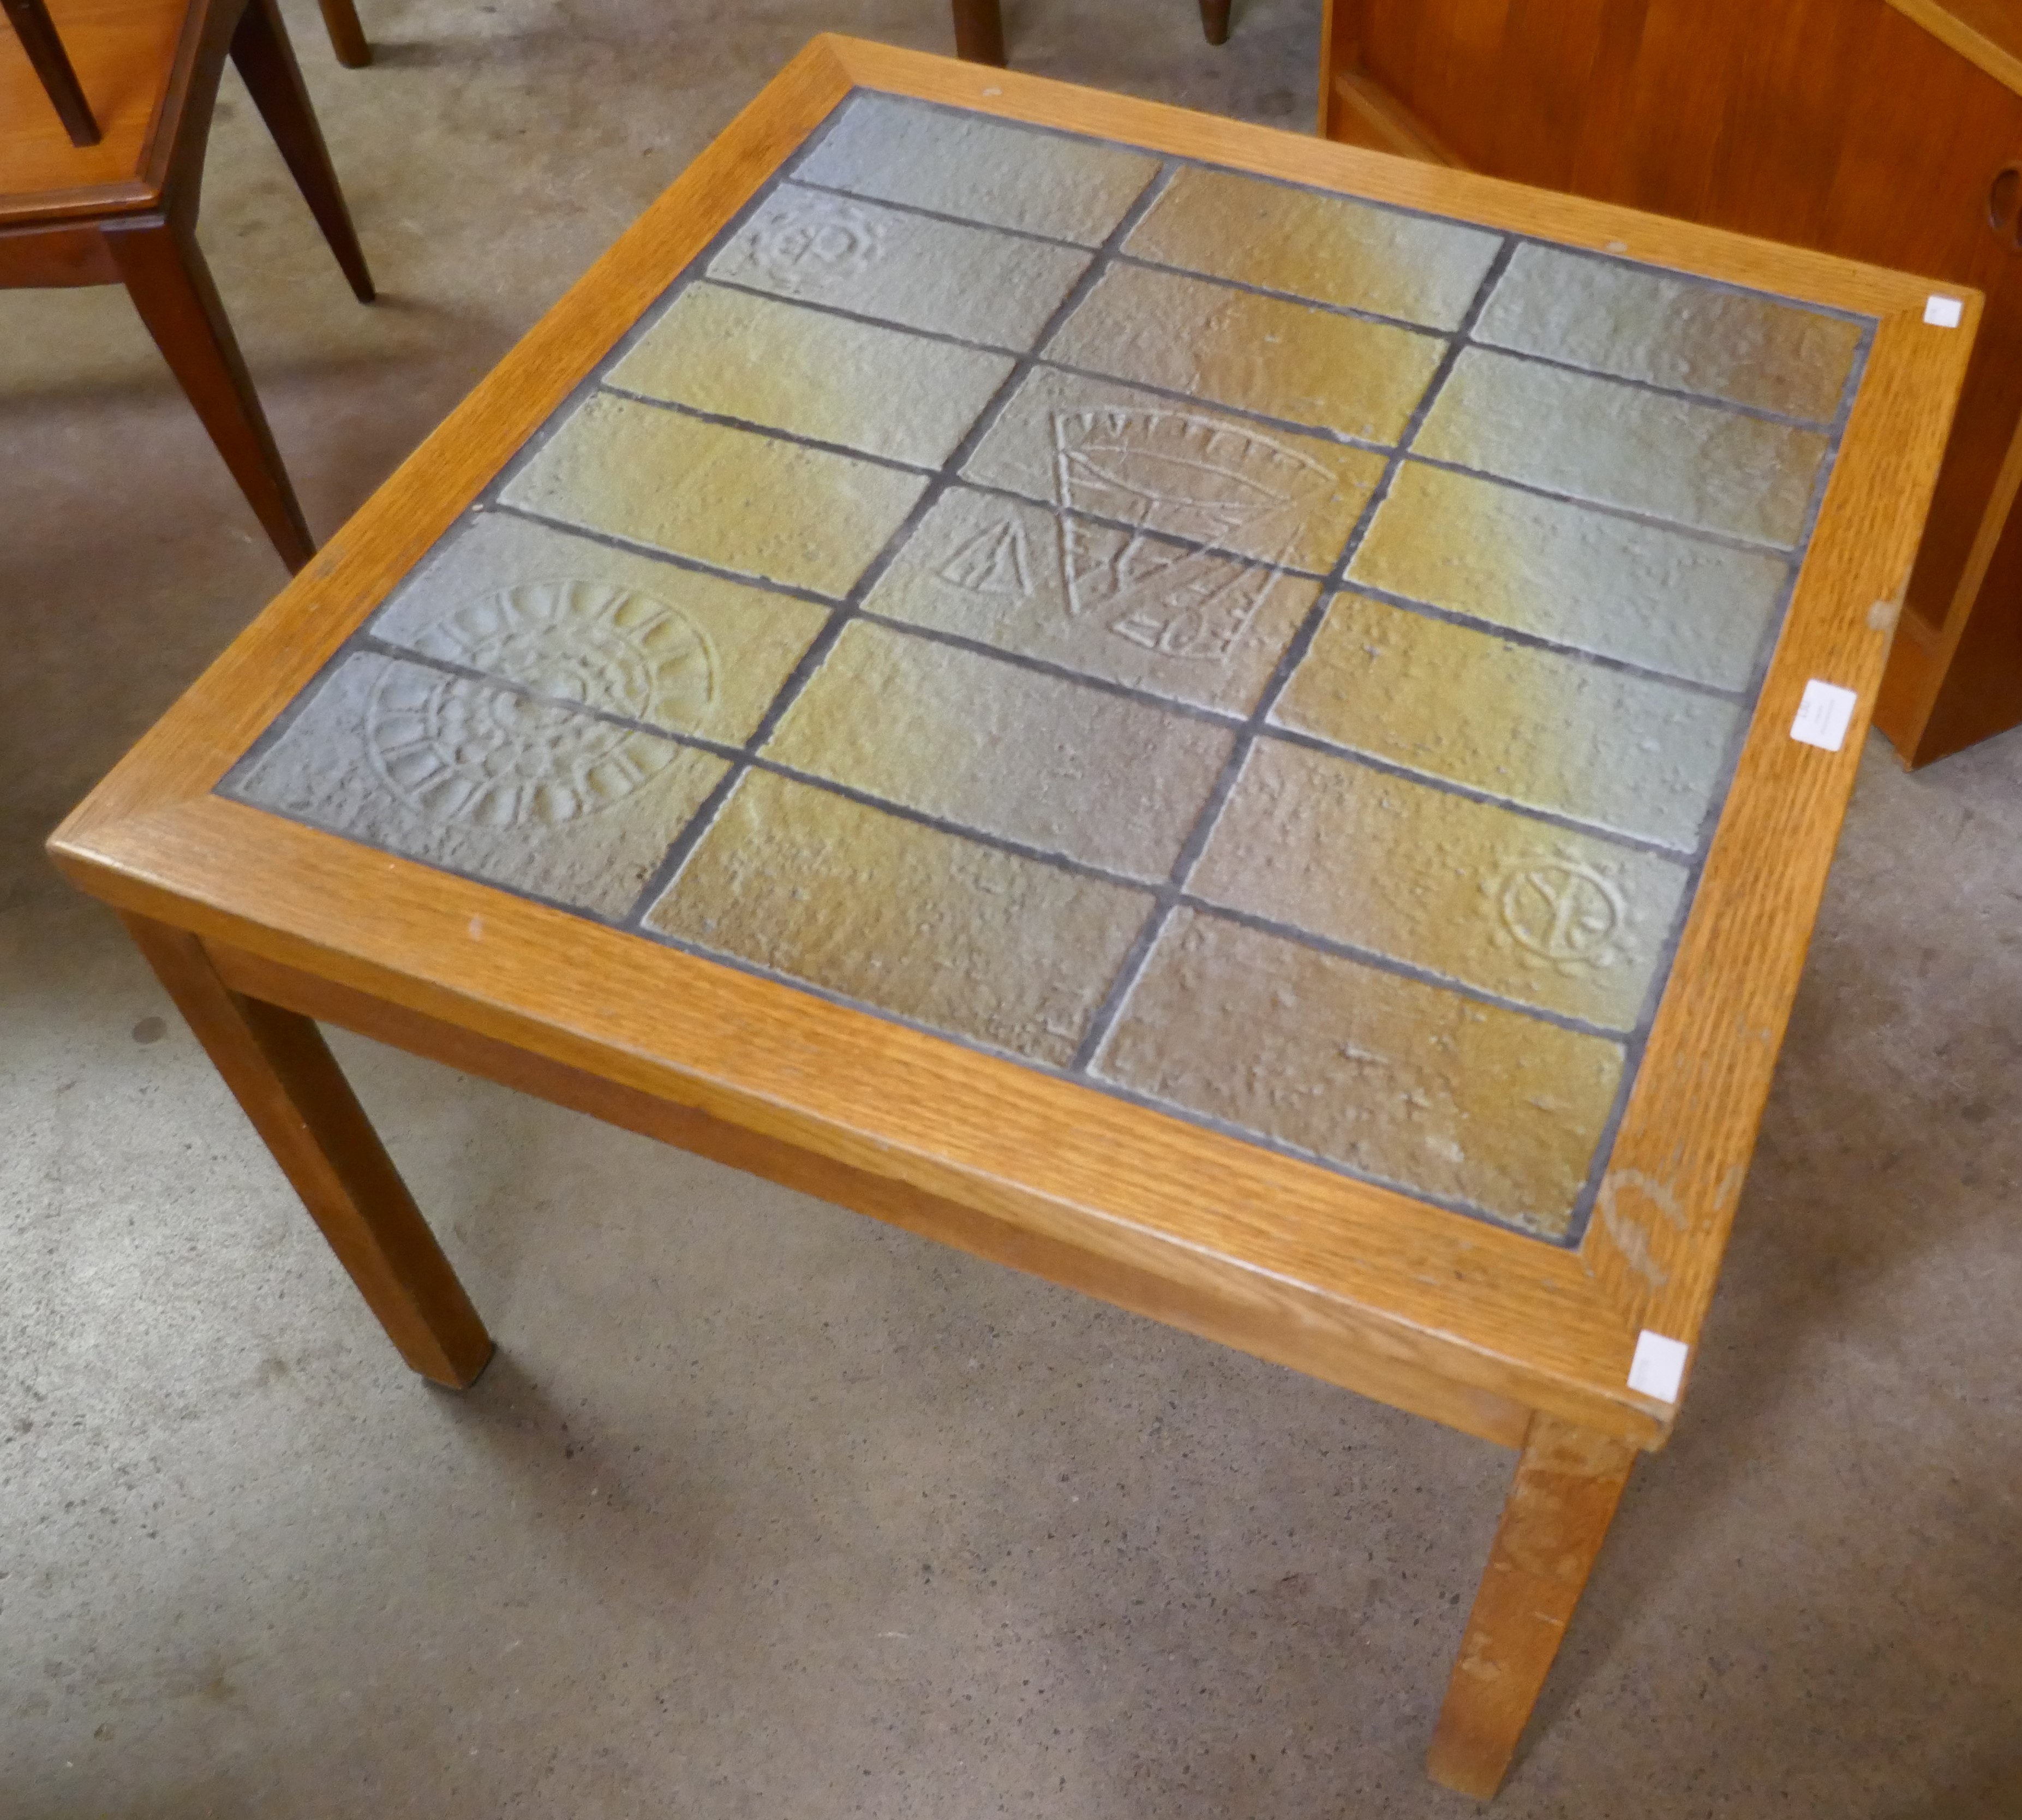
(238, 912)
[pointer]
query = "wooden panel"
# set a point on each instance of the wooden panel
(1987, 33)
(1548, 57)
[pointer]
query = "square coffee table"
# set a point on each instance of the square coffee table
(1251, 727)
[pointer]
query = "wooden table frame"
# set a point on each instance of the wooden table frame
(257, 925)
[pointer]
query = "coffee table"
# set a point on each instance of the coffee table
(1248, 727)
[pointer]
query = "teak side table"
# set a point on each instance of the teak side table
(1250, 727)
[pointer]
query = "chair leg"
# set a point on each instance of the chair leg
(978, 31)
(171, 288)
(260, 48)
(347, 36)
(1214, 21)
(47, 56)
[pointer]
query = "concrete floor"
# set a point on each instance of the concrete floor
(764, 1510)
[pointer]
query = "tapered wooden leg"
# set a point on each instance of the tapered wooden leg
(171, 288)
(1214, 21)
(260, 49)
(277, 1065)
(347, 36)
(978, 31)
(51, 62)
(1568, 1482)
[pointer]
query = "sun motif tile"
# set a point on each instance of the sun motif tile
(752, 504)
(911, 269)
(1637, 323)
(1637, 592)
(580, 622)
(1383, 1075)
(979, 169)
(1618, 445)
(1263, 354)
(1330, 248)
(520, 793)
(1619, 751)
(1472, 892)
(1032, 758)
(1167, 466)
(1117, 605)
(907, 919)
(827, 377)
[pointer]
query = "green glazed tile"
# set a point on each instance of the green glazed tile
(1618, 445)
(730, 497)
(826, 376)
(1623, 752)
(980, 169)
(1169, 465)
(1108, 603)
(1464, 889)
(583, 622)
(1637, 323)
(904, 918)
(1328, 248)
(1258, 353)
(978, 741)
(819, 247)
(1386, 1076)
(1638, 592)
(520, 794)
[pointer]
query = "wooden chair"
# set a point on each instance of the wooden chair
(979, 26)
(123, 210)
(46, 57)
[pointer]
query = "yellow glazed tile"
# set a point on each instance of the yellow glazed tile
(1258, 353)
(1169, 465)
(1464, 889)
(978, 741)
(452, 771)
(827, 377)
(1637, 323)
(1634, 592)
(980, 169)
(1554, 733)
(1327, 248)
(1618, 445)
(582, 622)
(1110, 604)
(730, 497)
(905, 268)
(1394, 1079)
(904, 918)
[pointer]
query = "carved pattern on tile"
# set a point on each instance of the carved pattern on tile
(995, 561)
(1564, 912)
(811, 241)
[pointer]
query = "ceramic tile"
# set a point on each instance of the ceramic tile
(1258, 353)
(1169, 465)
(731, 497)
(1475, 893)
(902, 918)
(459, 773)
(979, 741)
(1618, 445)
(1327, 248)
(1637, 323)
(1109, 604)
(911, 269)
(1641, 757)
(1386, 1076)
(980, 169)
(825, 377)
(619, 632)
(1634, 592)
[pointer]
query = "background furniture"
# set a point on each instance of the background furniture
(473, 823)
(1888, 130)
(979, 28)
(38, 34)
(124, 211)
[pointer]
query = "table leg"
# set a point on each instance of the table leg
(1568, 1482)
(978, 31)
(284, 1077)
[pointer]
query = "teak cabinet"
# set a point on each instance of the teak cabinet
(1885, 131)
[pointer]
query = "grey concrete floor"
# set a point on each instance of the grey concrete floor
(766, 1510)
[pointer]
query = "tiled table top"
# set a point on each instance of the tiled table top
(1275, 658)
